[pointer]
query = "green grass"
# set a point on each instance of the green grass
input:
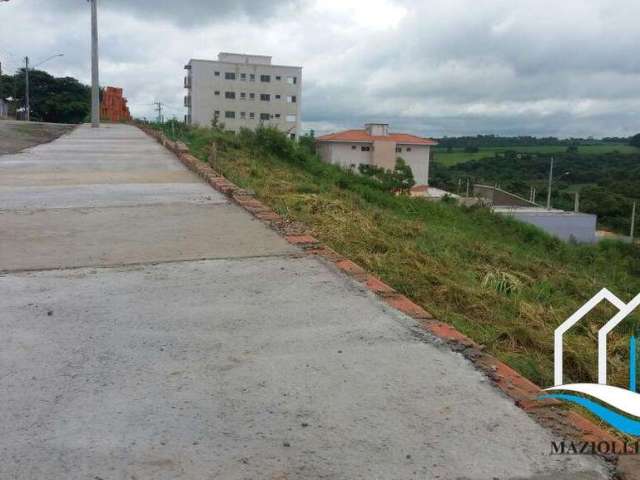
(459, 156)
(505, 284)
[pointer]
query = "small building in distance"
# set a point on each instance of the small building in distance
(113, 107)
(243, 91)
(567, 226)
(4, 108)
(375, 145)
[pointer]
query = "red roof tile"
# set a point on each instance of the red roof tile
(363, 136)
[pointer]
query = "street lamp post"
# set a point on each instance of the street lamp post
(95, 80)
(27, 96)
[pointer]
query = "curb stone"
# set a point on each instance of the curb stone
(524, 393)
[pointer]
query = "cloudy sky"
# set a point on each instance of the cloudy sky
(449, 67)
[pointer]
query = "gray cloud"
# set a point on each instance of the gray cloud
(456, 67)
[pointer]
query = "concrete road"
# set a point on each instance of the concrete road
(151, 330)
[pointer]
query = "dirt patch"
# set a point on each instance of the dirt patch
(16, 136)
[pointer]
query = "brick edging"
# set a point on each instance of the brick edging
(521, 390)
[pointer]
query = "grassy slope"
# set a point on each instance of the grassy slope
(503, 283)
(459, 156)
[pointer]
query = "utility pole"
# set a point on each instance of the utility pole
(95, 75)
(159, 110)
(27, 102)
(467, 195)
(633, 221)
(576, 202)
(549, 187)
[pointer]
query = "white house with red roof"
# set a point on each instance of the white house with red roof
(375, 145)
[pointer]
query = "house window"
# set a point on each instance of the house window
(265, 78)
(252, 77)
(229, 76)
(291, 99)
(408, 149)
(252, 116)
(231, 95)
(277, 97)
(217, 92)
(216, 74)
(365, 149)
(229, 114)
(291, 118)
(243, 96)
(243, 115)
(252, 96)
(292, 80)
(277, 115)
(353, 147)
(278, 78)
(265, 116)
(265, 97)
(398, 150)
(243, 77)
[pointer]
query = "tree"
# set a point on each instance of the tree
(57, 100)
(635, 141)
(399, 180)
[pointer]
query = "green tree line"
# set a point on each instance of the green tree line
(57, 100)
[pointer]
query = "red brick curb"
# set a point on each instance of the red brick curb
(522, 391)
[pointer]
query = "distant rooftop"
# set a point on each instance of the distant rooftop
(376, 132)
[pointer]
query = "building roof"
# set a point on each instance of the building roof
(363, 136)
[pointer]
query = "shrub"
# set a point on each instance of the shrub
(398, 180)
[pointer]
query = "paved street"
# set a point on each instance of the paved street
(149, 329)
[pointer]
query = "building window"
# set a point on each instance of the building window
(365, 149)
(252, 96)
(217, 92)
(216, 74)
(277, 115)
(398, 150)
(243, 96)
(231, 95)
(291, 99)
(243, 115)
(278, 77)
(265, 97)
(292, 80)
(265, 78)
(252, 77)
(277, 97)
(229, 114)
(291, 118)
(243, 77)
(353, 147)
(265, 116)
(229, 76)
(292, 136)
(252, 116)
(408, 149)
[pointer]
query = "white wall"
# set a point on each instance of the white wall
(343, 154)
(204, 102)
(418, 160)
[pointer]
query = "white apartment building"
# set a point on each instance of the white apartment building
(243, 91)
(375, 145)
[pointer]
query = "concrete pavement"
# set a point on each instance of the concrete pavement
(151, 329)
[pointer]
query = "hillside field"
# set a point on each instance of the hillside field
(458, 155)
(505, 284)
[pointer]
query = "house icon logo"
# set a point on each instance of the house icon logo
(618, 407)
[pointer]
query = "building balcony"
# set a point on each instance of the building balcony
(187, 101)
(187, 82)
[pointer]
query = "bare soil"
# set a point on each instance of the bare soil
(16, 136)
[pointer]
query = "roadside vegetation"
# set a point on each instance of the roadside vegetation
(505, 284)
